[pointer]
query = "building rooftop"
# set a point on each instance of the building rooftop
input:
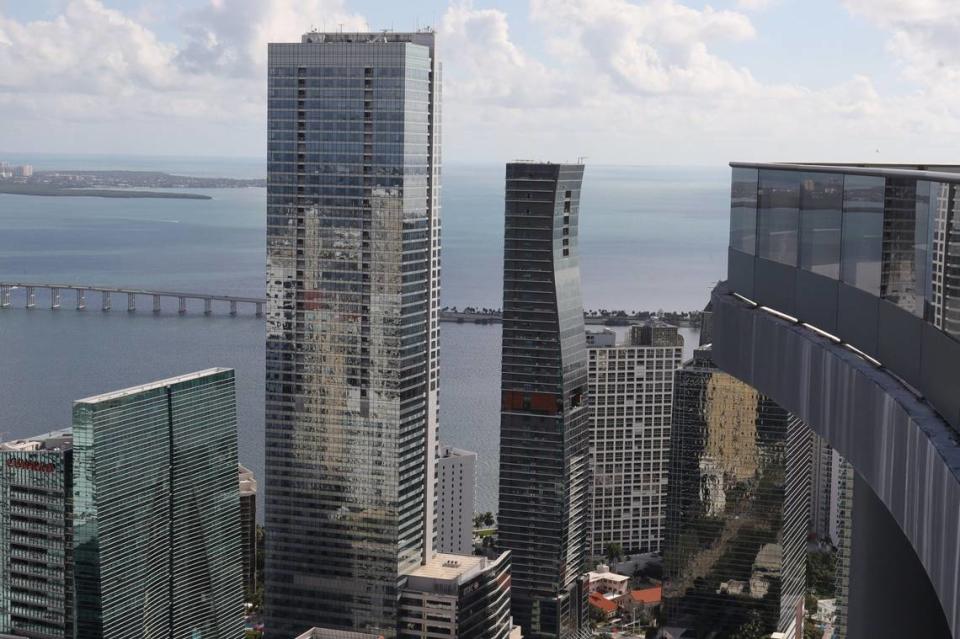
(599, 601)
(947, 172)
(124, 392)
(603, 572)
(450, 451)
(450, 567)
(325, 633)
(651, 595)
(367, 37)
(248, 484)
(54, 440)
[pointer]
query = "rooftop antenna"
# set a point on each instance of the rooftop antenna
(581, 159)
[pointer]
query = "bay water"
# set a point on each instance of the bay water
(651, 238)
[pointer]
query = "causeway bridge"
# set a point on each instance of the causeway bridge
(106, 294)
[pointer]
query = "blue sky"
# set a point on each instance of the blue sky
(620, 81)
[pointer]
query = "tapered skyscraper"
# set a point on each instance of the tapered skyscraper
(544, 431)
(353, 266)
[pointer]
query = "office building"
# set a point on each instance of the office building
(36, 567)
(631, 397)
(737, 506)
(248, 528)
(353, 270)
(841, 305)
(457, 597)
(456, 499)
(544, 426)
(157, 510)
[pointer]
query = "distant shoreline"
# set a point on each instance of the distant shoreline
(53, 191)
(611, 319)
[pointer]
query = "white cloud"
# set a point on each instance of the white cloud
(231, 36)
(485, 66)
(637, 81)
(923, 37)
(755, 5)
(656, 47)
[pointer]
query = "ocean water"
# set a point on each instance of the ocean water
(651, 238)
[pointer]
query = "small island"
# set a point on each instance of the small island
(115, 184)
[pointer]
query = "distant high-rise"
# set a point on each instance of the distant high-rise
(456, 498)
(353, 269)
(631, 396)
(248, 528)
(36, 549)
(157, 510)
(825, 472)
(544, 426)
(737, 506)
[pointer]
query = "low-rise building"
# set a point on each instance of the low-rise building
(602, 607)
(605, 582)
(457, 597)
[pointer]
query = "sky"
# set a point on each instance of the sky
(638, 82)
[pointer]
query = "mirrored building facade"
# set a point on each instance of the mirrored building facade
(157, 511)
(353, 267)
(841, 303)
(544, 425)
(737, 507)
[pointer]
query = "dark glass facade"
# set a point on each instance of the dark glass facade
(353, 267)
(544, 425)
(157, 511)
(737, 506)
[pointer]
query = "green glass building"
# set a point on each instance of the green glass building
(157, 511)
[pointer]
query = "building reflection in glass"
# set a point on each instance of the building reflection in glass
(737, 506)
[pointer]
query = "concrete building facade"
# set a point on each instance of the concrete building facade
(456, 500)
(457, 597)
(631, 400)
(36, 541)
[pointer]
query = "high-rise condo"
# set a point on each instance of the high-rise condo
(353, 268)
(544, 424)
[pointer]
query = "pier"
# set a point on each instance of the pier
(106, 293)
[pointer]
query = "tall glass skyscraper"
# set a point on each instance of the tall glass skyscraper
(353, 269)
(544, 423)
(157, 511)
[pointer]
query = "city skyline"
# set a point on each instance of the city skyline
(670, 82)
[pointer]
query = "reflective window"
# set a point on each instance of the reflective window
(905, 225)
(778, 205)
(821, 205)
(943, 292)
(862, 232)
(743, 211)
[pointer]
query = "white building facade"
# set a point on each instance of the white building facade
(456, 500)
(631, 391)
